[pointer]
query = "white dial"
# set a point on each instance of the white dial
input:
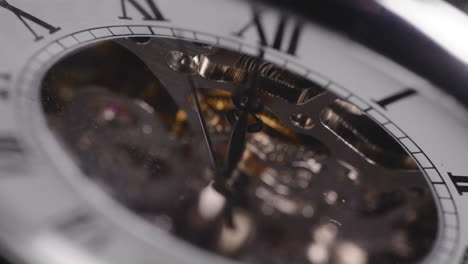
(367, 118)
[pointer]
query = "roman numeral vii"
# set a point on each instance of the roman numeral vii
(27, 19)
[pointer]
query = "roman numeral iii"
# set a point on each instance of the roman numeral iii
(396, 97)
(460, 182)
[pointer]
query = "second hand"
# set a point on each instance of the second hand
(208, 142)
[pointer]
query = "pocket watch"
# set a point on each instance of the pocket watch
(230, 131)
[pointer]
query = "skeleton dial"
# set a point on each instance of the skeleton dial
(217, 131)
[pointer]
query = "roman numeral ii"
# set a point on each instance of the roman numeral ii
(149, 11)
(286, 36)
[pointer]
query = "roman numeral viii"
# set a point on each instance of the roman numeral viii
(460, 182)
(149, 11)
(286, 35)
(27, 19)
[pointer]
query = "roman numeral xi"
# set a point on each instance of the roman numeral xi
(28, 19)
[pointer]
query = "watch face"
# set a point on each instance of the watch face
(219, 131)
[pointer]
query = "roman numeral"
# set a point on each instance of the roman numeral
(9, 144)
(465, 257)
(4, 78)
(85, 228)
(396, 97)
(11, 153)
(460, 182)
(25, 17)
(150, 13)
(285, 27)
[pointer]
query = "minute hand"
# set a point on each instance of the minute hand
(236, 143)
(246, 104)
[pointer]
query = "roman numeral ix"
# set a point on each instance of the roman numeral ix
(27, 19)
